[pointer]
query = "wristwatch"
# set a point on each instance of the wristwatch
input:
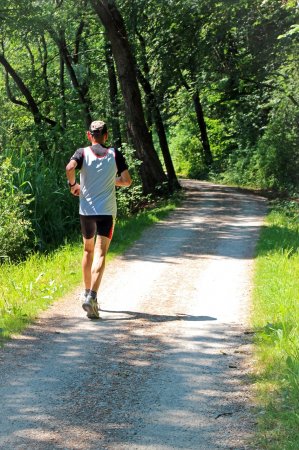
(72, 185)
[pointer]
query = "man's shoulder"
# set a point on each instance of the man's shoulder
(78, 153)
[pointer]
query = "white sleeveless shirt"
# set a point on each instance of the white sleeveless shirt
(97, 182)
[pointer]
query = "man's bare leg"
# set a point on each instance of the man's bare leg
(93, 265)
(99, 260)
(88, 253)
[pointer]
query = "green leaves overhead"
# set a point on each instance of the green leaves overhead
(217, 76)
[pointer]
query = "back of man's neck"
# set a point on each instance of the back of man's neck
(97, 143)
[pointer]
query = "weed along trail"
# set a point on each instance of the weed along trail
(165, 368)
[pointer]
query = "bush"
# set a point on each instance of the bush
(186, 149)
(278, 150)
(14, 223)
(272, 162)
(129, 199)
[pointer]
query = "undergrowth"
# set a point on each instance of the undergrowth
(276, 321)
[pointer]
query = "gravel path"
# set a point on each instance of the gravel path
(166, 366)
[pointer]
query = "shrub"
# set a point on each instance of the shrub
(186, 149)
(278, 150)
(129, 199)
(14, 223)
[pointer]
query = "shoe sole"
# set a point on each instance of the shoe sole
(91, 314)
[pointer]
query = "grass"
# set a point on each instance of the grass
(275, 318)
(29, 287)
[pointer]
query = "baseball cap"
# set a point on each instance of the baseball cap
(98, 126)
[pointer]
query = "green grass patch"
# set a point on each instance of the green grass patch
(31, 286)
(276, 321)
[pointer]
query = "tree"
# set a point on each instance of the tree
(172, 29)
(151, 170)
(154, 112)
(81, 88)
(113, 93)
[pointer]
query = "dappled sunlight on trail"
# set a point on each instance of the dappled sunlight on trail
(165, 366)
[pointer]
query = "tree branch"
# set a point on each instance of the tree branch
(10, 96)
(31, 104)
(77, 41)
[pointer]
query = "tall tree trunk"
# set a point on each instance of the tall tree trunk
(43, 53)
(156, 114)
(62, 92)
(172, 178)
(78, 41)
(151, 170)
(113, 93)
(207, 154)
(81, 90)
(208, 158)
(44, 59)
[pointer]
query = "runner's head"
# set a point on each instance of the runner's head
(98, 132)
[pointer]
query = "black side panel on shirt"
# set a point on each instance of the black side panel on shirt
(78, 157)
(121, 164)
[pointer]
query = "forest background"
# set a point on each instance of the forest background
(200, 89)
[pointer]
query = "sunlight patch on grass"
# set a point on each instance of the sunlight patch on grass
(31, 286)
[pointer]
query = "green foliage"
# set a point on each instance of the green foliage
(186, 148)
(53, 213)
(29, 287)
(278, 149)
(241, 57)
(132, 200)
(273, 163)
(14, 224)
(129, 199)
(276, 320)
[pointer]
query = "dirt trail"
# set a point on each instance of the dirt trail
(166, 366)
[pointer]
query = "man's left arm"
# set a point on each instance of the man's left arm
(124, 179)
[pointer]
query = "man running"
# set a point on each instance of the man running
(101, 169)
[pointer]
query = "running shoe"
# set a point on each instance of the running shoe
(90, 305)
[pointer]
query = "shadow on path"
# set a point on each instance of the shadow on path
(156, 317)
(144, 381)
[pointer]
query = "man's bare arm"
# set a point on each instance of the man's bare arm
(124, 180)
(71, 176)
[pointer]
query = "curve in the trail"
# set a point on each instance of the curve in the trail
(165, 367)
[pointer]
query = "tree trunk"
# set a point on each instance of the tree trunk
(78, 41)
(81, 91)
(113, 91)
(62, 93)
(156, 114)
(207, 154)
(208, 158)
(172, 178)
(44, 59)
(151, 170)
(31, 104)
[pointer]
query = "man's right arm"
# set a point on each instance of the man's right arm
(71, 177)
(76, 162)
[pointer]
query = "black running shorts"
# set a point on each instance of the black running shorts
(100, 225)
